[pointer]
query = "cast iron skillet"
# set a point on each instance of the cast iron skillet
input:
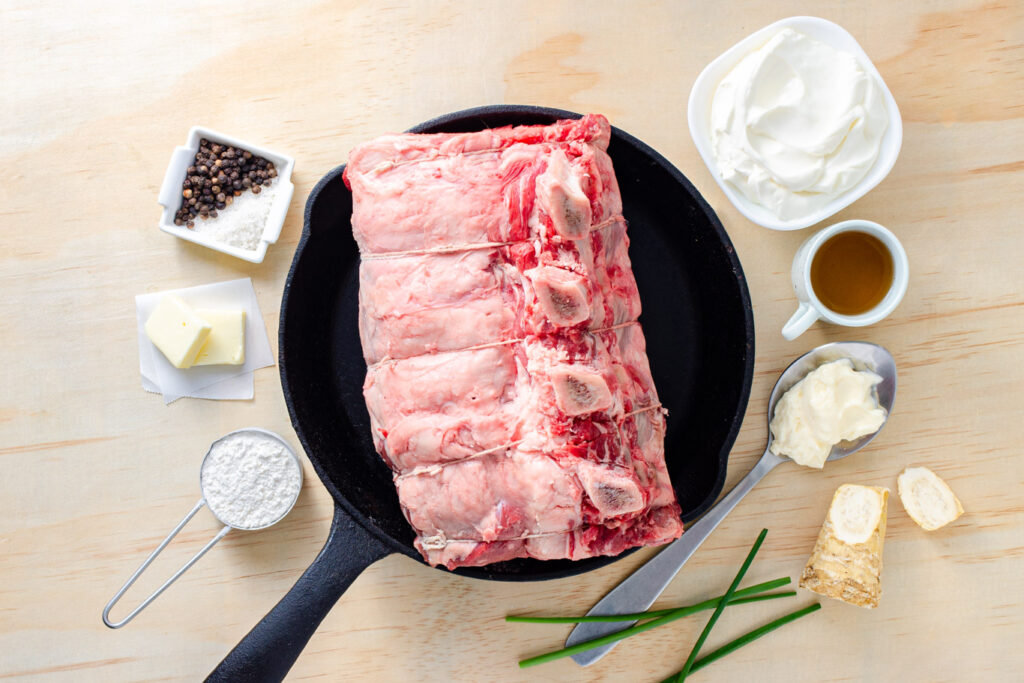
(700, 338)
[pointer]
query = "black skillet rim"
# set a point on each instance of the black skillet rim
(705, 208)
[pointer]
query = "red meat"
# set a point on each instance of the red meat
(508, 386)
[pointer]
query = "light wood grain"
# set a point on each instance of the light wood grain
(95, 97)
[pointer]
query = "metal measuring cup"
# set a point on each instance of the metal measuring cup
(181, 525)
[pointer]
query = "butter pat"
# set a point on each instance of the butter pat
(226, 343)
(177, 330)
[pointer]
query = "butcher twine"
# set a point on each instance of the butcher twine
(435, 468)
(491, 345)
(476, 245)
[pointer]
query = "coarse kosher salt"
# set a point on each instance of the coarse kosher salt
(241, 223)
(250, 480)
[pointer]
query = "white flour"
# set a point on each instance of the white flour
(250, 480)
(241, 224)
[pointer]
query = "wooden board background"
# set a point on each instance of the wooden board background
(95, 470)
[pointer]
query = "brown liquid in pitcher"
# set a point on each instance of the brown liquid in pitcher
(852, 272)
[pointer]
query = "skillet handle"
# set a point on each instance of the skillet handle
(270, 649)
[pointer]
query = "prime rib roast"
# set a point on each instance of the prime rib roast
(508, 386)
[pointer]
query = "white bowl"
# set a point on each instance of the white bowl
(699, 114)
(170, 194)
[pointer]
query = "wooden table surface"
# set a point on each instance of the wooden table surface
(96, 470)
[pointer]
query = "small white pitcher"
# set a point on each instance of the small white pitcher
(811, 308)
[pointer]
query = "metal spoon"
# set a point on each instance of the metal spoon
(639, 591)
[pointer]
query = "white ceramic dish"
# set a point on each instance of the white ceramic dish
(170, 194)
(699, 114)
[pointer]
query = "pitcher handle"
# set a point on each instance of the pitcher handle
(804, 317)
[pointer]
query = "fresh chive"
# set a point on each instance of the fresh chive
(738, 599)
(636, 616)
(746, 639)
(654, 623)
(634, 630)
(721, 606)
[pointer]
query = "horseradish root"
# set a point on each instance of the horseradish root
(927, 499)
(846, 563)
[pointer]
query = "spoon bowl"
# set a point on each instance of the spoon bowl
(865, 356)
(639, 591)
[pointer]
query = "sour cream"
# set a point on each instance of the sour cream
(831, 404)
(796, 124)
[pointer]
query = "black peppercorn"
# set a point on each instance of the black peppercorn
(217, 175)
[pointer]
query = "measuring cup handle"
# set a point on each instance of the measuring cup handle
(149, 560)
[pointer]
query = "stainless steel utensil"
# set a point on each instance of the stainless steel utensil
(639, 591)
(181, 525)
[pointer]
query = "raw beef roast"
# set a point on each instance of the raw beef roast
(507, 385)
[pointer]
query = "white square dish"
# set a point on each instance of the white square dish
(699, 110)
(170, 194)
